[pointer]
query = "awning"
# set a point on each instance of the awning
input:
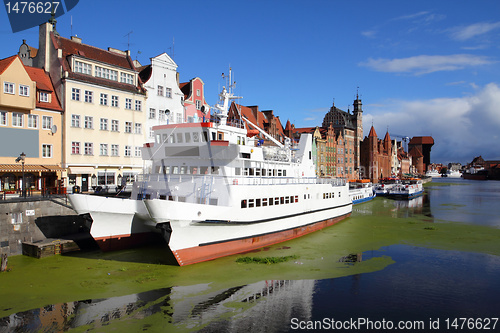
(81, 170)
(28, 168)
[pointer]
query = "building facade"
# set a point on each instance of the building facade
(104, 115)
(165, 102)
(30, 124)
(195, 106)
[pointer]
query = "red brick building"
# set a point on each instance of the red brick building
(376, 156)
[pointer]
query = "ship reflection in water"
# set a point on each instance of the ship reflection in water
(269, 304)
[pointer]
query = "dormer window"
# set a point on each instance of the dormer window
(81, 67)
(44, 97)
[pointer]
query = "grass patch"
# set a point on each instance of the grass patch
(265, 260)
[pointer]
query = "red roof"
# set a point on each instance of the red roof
(372, 132)
(5, 63)
(44, 83)
(422, 140)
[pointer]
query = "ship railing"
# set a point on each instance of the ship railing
(158, 180)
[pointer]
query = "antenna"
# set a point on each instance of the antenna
(128, 39)
(173, 48)
(71, 25)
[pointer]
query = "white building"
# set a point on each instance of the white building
(165, 99)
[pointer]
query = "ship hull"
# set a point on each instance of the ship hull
(117, 223)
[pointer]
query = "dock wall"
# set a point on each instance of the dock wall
(35, 220)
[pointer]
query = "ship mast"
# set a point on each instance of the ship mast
(222, 108)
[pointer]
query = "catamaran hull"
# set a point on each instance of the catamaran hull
(117, 223)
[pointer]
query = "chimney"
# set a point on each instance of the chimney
(76, 39)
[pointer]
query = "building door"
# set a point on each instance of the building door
(85, 183)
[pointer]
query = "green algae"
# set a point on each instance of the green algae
(33, 283)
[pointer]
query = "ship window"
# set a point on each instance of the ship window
(274, 172)
(166, 170)
(183, 170)
(175, 170)
(250, 172)
(203, 170)
(213, 136)
(243, 204)
(271, 201)
(215, 170)
(296, 198)
(264, 202)
(250, 203)
(257, 172)
(339, 194)
(179, 137)
(284, 173)
(163, 197)
(245, 155)
(213, 201)
(237, 171)
(279, 173)
(305, 197)
(171, 139)
(158, 138)
(187, 136)
(257, 202)
(220, 136)
(282, 200)
(204, 137)
(238, 141)
(181, 199)
(324, 195)
(333, 195)
(193, 170)
(287, 200)
(147, 196)
(171, 198)
(276, 201)
(264, 172)
(245, 172)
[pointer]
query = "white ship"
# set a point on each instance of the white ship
(361, 190)
(408, 189)
(214, 191)
(382, 188)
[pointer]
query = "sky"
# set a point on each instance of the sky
(421, 68)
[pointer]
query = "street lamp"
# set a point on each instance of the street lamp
(21, 159)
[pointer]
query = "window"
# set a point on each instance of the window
(104, 99)
(89, 96)
(168, 92)
(128, 151)
(138, 106)
(138, 128)
(114, 101)
(75, 120)
(32, 121)
(103, 124)
(81, 67)
(89, 122)
(128, 127)
(3, 118)
(114, 125)
(106, 73)
(128, 103)
(17, 119)
(160, 90)
(103, 149)
(126, 78)
(75, 94)
(44, 97)
(46, 122)
(197, 92)
(88, 148)
(198, 104)
(24, 90)
(152, 113)
(114, 150)
(46, 150)
(106, 178)
(138, 152)
(75, 148)
(8, 88)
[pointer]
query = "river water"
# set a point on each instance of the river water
(431, 264)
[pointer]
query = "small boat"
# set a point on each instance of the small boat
(453, 174)
(409, 188)
(433, 173)
(385, 184)
(361, 190)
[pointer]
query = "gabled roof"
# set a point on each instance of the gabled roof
(5, 63)
(73, 48)
(44, 83)
(372, 132)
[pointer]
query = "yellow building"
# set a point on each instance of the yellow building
(104, 110)
(30, 122)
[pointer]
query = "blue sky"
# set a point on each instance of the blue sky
(422, 67)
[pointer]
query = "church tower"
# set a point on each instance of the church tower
(358, 135)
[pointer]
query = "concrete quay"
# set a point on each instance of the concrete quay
(37, 221)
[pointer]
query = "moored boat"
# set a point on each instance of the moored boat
(215, 191)
(361, 190)
(384, 185)
(409, 188)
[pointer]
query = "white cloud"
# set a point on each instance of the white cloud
(425, 64)
(467, 32)
(461, 127)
